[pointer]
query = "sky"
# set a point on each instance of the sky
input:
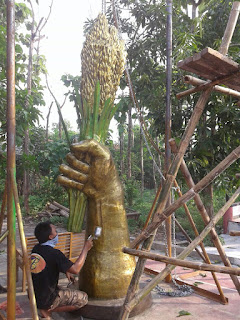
(62, 47)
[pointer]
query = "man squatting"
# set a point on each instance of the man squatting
(46, 263)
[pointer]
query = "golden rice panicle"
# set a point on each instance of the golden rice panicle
(103, 59)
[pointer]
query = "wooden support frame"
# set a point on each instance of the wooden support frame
(198, 82)
(200, 291)
(204, 214)
(160, 215)
(182, 263)
(154, 282)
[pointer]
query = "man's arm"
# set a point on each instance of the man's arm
(77, 266)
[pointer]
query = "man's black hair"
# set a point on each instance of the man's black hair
(43, 231)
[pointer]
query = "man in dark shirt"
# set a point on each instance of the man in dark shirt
(46, 263)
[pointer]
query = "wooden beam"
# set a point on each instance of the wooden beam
(200, 291)
(182, 263)
(234, 233)
(197, 82)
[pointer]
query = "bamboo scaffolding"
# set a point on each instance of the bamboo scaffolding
(205, 255)
(198, 82)
(165, 194)
(151, 285)
(24, 249)
(204, 214)
(160, 217)
(182, 263)
(171, 175)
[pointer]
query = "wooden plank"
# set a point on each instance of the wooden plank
(221, 62)
(188, 66)
(204, 66)
(190, 275)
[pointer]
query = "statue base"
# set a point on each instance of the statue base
(110, 309)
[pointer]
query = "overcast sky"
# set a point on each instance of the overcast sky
(62, 46)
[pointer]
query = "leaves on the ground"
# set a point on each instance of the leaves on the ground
(183, 313)
(203, 275)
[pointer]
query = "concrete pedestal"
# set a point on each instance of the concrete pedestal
(110, 309)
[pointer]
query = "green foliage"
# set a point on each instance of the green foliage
(25, 116)
(131, 190)
(46, 190)
(51, 157)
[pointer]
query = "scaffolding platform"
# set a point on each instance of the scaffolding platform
(212, 65)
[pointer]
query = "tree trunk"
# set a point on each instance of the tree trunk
(48, 115)
(60, 128)
(141, 162)
(129, 160)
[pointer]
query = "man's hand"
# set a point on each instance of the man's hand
(91, 169)
(89, 244)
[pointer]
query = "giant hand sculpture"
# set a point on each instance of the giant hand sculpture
(107, 271)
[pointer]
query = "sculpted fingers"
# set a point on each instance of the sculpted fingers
(64, 181)
(92, 147)
(77, 164)
(73, 174)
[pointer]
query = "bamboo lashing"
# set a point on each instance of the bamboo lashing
(201, 208)
(182, 263)
(151, 285)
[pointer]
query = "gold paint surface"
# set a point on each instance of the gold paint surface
(107, 271)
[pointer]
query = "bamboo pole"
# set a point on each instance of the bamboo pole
(24, 250)
(11, 162)
(3, 236)
(223, 165)
(151, 285)
(234, 233)
(230, 27)
(207, 84)
(182, 263)
(3, 206)
(204, 215)
(198, 82)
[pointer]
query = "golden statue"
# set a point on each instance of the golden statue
(107, 271)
